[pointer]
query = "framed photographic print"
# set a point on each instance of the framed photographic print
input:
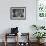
(41, 12)
(41, 8)
(18, 13)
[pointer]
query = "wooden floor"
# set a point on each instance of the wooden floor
(13, 44)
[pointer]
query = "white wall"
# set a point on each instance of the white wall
(24, 25)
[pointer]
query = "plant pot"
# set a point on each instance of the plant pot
(40, 40)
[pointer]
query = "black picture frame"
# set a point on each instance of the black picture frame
(18, 13)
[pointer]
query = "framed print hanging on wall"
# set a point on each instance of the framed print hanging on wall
(18, 13)
(41, 12)
(41, 8)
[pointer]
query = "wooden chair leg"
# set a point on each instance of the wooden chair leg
(17, 40)
(5, 43)
(5, 39)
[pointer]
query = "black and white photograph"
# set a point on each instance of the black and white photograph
(17, 13)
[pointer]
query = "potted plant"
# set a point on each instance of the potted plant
(39, 35)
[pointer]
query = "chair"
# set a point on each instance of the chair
(26, 41)
(7, 35)
(14, 32)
